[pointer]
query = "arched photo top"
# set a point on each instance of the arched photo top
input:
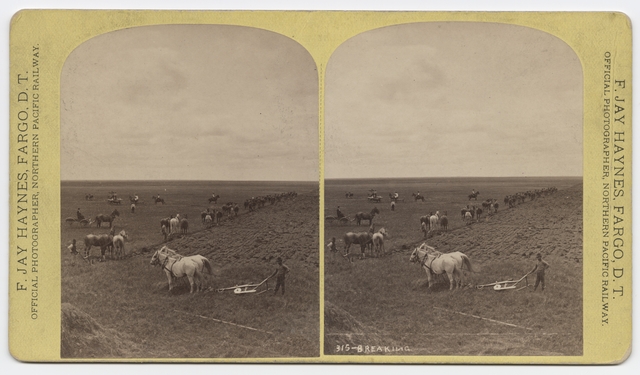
(203, 102)
(449, 99)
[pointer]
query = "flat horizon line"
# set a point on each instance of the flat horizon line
(412, 178)
(185, 180)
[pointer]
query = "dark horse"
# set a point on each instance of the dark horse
(362, 216)
(418, 197)
(474, 195)
(157, 200)
(106, 218)
(363, 239)
(214, 200)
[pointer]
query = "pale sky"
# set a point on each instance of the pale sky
(453, 99)
(205, 102)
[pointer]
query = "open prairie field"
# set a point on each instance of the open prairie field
(123, 309)
(383, 303)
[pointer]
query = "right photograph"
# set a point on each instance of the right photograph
(453, 193)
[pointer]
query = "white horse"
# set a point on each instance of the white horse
(204, 265)
(174, 225)
(118, 244)
(208, 221)
(378, 241)
(434, 222)
(461, 259)
(468, 217)
(435, 263)
(176, 266)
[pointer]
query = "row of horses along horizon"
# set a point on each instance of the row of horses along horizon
(173, 225)
(374, 241)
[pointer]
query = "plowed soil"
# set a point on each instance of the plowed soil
(392, 307)
(551, 225)
(129, 302)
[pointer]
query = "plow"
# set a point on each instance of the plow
(506, 284)
(247, 288)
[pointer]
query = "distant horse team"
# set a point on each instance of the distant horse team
(254, 203)
(361, 216)
(434, 221)
(194, 267)
(174, 265)
(106, 218)
(418, 197)
(453, 264)
(106, 242)
(374, 241)
(519, 198)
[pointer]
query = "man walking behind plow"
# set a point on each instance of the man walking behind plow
(280, 272)
(539, 269)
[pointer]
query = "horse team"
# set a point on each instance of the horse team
(112, 242)
(436, 263)
(432, 222)
(519, 198)
(431, 260)
(174, 265)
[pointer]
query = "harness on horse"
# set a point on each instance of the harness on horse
(170, 269)
(423, 262)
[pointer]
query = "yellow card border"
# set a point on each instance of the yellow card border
(57, 32)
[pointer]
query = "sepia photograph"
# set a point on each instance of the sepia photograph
(189, 195)
(453, 193)
(311, 187)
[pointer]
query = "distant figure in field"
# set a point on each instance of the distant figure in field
(540, 267)
(133, 208)
(280, 271)
(339, 213)
(393, 205)
(74, 251)
(332, 245)
(80, 215)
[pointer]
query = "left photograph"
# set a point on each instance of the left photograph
(189, 195)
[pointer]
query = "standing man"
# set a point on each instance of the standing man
(540, 267)
(280, 271)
